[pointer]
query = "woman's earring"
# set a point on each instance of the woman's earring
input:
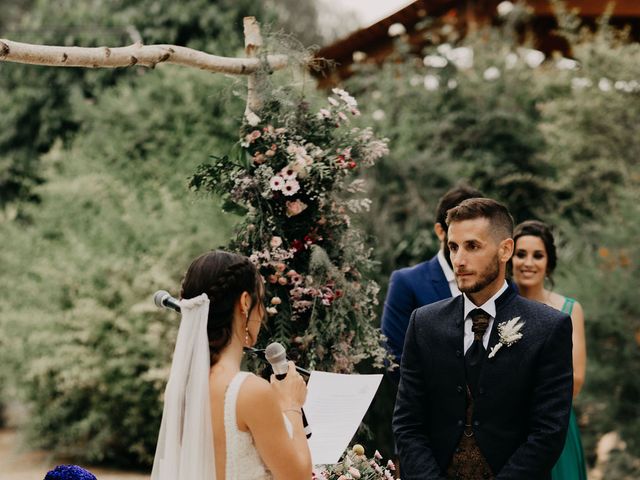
(246, 329)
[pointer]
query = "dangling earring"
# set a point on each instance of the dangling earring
(246, 329)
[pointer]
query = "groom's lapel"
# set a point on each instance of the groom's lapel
(456, 333)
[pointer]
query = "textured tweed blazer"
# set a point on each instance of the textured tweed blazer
(521, 411)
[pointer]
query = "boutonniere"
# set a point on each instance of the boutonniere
(508, 333)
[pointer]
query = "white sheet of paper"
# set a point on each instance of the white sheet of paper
(335, 407)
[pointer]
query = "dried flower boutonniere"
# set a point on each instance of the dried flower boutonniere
(509, 333)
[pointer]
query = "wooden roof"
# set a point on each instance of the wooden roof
(463, 14)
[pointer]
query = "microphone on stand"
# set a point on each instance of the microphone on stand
(276, 355)
(163, 299)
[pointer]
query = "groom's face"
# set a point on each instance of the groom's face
(474, 254)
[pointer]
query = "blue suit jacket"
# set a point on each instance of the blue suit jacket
(410, 288)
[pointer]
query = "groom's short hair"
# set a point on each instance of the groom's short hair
(498, 215)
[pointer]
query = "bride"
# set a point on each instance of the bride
(220, 423)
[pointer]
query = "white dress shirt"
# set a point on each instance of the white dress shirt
(449, 275)
(490, 307)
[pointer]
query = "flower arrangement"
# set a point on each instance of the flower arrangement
(69, 472)
(293, 176)
(355, 465)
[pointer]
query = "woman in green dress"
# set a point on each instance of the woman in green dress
(533, 261)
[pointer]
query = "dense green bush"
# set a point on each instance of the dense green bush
(81, 339)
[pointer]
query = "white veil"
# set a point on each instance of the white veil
(185, 443)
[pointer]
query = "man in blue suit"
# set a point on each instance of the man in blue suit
(422, 284)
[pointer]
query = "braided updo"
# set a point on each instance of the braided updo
(223, 276)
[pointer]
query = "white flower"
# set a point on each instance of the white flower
(324, 113)
(359, 56)
(444, 49)
(435, 61)
(533, 58)
(345, 97)
(505, 8)
(510, 61)
(491, 73)
(604, 84)
(290, 187)
(452, 84)
(289, 173)
(461, 57)
(431, 82)
(333, 101)
(252, 118)
(566, 64)
(396, 30)
(579, 83)
(378, 115)
(276, 183)
(508, 333)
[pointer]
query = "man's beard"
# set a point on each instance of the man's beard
(486, 278)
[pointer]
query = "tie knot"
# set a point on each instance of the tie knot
(480, 322)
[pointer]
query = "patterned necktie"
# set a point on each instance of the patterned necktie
(480, 320)
(474, 357)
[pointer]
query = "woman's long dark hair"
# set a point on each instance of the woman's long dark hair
(223, 276)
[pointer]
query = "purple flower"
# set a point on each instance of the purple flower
(69, 472)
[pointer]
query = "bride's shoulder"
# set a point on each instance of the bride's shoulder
(255, 387)
(256, 398)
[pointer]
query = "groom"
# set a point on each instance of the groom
(473, 404)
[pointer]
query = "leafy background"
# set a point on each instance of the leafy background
(96, 214)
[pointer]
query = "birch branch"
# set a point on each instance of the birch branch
(136, 54)
(252, 45)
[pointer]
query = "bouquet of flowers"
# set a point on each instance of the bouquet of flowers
(355, 465)
(293, 176)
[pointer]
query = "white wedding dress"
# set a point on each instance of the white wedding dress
(243, 461)
(185, 449)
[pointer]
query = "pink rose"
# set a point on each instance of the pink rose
(295, 208)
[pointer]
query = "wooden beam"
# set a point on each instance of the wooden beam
(590, 8)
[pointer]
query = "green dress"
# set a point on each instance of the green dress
(571, 465)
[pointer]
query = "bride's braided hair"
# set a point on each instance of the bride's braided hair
(223, 277)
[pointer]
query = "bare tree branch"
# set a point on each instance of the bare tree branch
(136, 54)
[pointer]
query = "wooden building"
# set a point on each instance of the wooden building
(463, 16)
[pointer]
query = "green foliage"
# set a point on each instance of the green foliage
(449, 124)
(80, 337)
(37, 112)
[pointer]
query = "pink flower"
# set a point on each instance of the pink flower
(291, 187)
(295, 208)
(377, 455)
(391, 465)
(289, 173)
(354, 472)
(275, 242)
(276, 183)
(253, 136)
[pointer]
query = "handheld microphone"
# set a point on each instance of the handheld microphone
(277, 357)
(163, 299)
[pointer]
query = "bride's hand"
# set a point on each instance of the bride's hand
(291, 390)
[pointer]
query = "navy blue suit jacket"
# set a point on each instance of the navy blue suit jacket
(410, 288)
(521, 413)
